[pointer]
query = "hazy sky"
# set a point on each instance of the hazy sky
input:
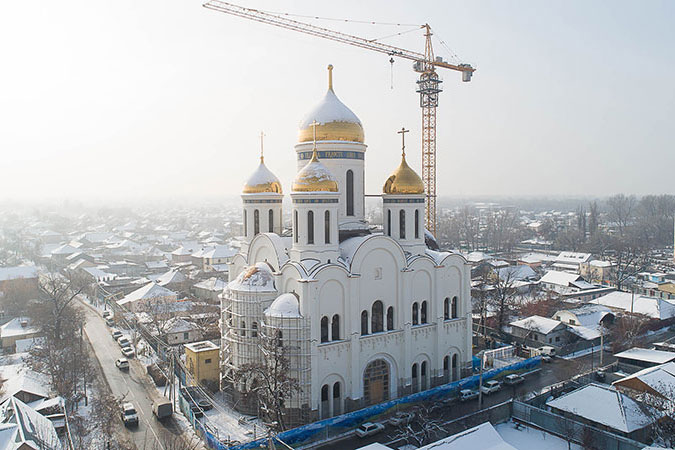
(128, 98)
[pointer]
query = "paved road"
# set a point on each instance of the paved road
(133, 386)
(550, 373)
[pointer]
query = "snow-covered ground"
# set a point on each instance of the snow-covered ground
(233, 425)
(527, 438)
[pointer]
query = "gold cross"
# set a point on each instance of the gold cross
(262, 136)
(402, 133)
(314, 124)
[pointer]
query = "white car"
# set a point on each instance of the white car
(467, 394)
(368, 429)
(124, 341)
(491, 387)
(129, 415)
(513, 379)
(401, 418)
(122, 364)
(128, 352)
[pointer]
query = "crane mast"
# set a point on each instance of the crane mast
(428, 85)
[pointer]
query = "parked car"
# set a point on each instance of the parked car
(513, 379)
(368, 429)
(129, 415)
(128, 351)
(122, 363)
(162, 409)
(109, 321)
(547, 350)
(124, 341)
(491, 387)
(467, 394)
(116, 334)
(401, 418)
(107, 314)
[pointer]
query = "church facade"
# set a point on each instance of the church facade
(367, 316)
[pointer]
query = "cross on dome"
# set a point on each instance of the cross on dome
(402, 133)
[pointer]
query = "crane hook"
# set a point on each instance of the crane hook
(391, 61)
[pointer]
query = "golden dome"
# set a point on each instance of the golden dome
(314, 177)
(262, 181)
(336, 121)
(404, 180)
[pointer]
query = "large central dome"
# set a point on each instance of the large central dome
(336, 122)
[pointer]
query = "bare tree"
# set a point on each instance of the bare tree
(593, 218)
(159, 311)
(658, 405)
(621, 210)
(269, 381)
(503, 294)
(423, 429)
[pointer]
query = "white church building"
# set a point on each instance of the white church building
(367, 316)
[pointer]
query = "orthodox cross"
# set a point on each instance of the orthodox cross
(262, 136)
(314, 124)
(402, 133)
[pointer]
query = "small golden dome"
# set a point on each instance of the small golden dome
(404, 181)
(315, 177)
(263, 181)
(336, 121)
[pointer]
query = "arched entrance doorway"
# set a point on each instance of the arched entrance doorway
(376, 382)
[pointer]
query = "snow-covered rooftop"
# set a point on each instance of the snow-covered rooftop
(559, 278)
(483, 436)
(212, 284)
(19, 326)
(285, 306)
(647, 355)
(150, 290)
(660, 378)
(329, 109)
(256, 278)
(13, 273)
(639, 304)
(540, 324)
(605, 405)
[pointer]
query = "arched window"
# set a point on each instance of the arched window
(335, 328)
(455, 375)
(280, 338)
(446, 308)
(417, 224)
(390, 318)
(324, 393)
(337, 394)
(415, 314)
(415, 385)
(254, 329)
(364, 322)
(401, 224)
(326, 227)
(454, 307)
(446, 369)
(389, 222)
(310, 227)
(325, 406)
(377, 324)
(423, 312)
(243, 328)
(270, 220)
(295, 225)
(256, 222)
(324, 329)
(350, 193)
(423, 375)
(245, 223)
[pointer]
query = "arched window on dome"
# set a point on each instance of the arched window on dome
(295, 226)
(324, 329)
(364, 322)
(310, 227)
(256, 222)
(454, 307)
(377, 324)
(335, 328)
(423, 312)
(415, 314)
(270, 221)
(389, 222)
(245, 224)
(326, 227)
(417, 224)
(401, 224)
(350, 193)
(390, 318)
(254, 329)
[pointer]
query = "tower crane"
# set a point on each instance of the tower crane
(428, 85)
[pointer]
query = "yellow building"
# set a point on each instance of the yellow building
(202, 361)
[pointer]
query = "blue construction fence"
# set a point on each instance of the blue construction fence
(346, 422)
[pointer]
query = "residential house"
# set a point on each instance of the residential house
(588, 322)
(202, 361)
(657, 380)
(627, 302)
(541, 330)
(23, 428)
(209, 257)
(19, 278)
(209, 289)
(180, 331)
(146, 294)
(606, 408)
(597, 271)
(570, 261)
(14, 330)
(564, 282)
(635, 359)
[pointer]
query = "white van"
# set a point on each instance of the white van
(547, 350)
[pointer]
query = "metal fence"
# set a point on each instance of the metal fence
(570, 430)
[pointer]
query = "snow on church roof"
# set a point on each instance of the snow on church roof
(329, 109)
(285, 306)
(256, 278)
